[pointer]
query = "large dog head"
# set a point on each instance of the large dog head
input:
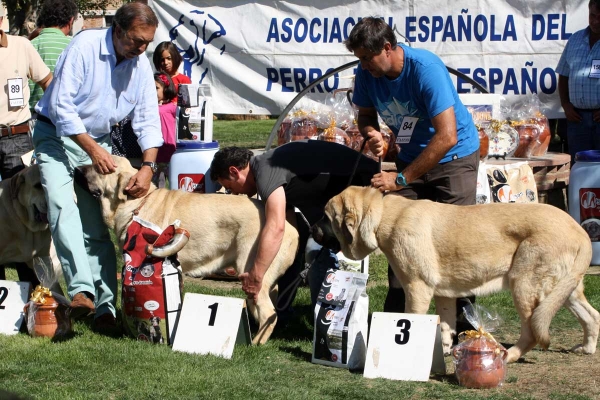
(108, 189)
(351, 221)
(28, 198)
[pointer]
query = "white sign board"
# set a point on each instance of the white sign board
(401, 347)
(211, 325)
(13, 297)
(258, 64)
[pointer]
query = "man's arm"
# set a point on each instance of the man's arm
(443, 140)
(269, 243)
(368, 126)
(101, 159)
(565, 101)
(44, 83)
(139, 184)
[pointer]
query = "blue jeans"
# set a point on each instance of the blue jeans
(80, 235)
(584, 135)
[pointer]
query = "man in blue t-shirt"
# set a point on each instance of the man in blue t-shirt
(412, 92)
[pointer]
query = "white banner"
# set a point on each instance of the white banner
(257, 56)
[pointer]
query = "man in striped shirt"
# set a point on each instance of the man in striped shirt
(579, 85)
(56, 20)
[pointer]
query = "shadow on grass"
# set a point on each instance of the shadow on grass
(295, 323)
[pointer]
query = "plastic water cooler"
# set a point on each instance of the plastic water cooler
(584, 196)
(190, 164)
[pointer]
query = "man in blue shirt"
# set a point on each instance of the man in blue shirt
(101, 77)
(579, 85)
(412, 92)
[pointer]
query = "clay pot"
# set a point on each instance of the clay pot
(336, 135)
(480, 363)
(50, 319)
(484, 144)
(543, 140)
(283, 134)
(528, 136)
(303, 128)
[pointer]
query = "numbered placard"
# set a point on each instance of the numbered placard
(401, 347)
(13, 297)
(212, 325)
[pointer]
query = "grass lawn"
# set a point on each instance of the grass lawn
(90, 366)
(252, 134)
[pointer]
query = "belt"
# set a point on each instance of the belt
(8, 130)
(45, 119)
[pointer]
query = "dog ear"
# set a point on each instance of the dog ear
(15, 184)
(121, 185)
(349, 227)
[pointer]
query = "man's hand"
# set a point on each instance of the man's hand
(571, 114)
(251, 284)
(375, 142)
(102, 160)
(139, 184)
(384, 181)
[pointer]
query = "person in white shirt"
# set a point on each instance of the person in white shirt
(101, 77)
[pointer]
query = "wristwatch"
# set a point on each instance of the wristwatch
(152, 166)
(401, 180)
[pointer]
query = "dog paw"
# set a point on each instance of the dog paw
(581, 349)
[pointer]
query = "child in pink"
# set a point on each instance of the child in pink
(166, 92)
(167, 59)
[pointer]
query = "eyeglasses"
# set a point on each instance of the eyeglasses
(136, 42)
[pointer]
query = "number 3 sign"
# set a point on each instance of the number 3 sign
(211, 325)
(404, 347)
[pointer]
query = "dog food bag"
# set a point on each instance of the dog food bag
(512, 183)
(483, 194)
(480, 361)
(341, 327)
(151, 286)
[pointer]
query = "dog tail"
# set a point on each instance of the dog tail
(545, 311)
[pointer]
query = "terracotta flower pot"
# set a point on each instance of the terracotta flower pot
(50, 318)
(480, 363)
(484, 144)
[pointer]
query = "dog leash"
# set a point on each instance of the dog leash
(360, 154)
(303, 276)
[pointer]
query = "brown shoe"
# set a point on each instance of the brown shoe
(106, 324)
(81, 306)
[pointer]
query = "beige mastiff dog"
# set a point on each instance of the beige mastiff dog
(24, 232)
(224, 231)
(536, 251)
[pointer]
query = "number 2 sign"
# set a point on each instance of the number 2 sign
(404, 347)
(211, 325)
(13, 297)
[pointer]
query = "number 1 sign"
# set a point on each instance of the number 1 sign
(211, 325)
(13, 297)
(401, 347)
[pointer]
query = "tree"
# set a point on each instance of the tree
(22, 14)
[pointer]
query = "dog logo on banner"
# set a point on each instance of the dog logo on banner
(207, 28)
